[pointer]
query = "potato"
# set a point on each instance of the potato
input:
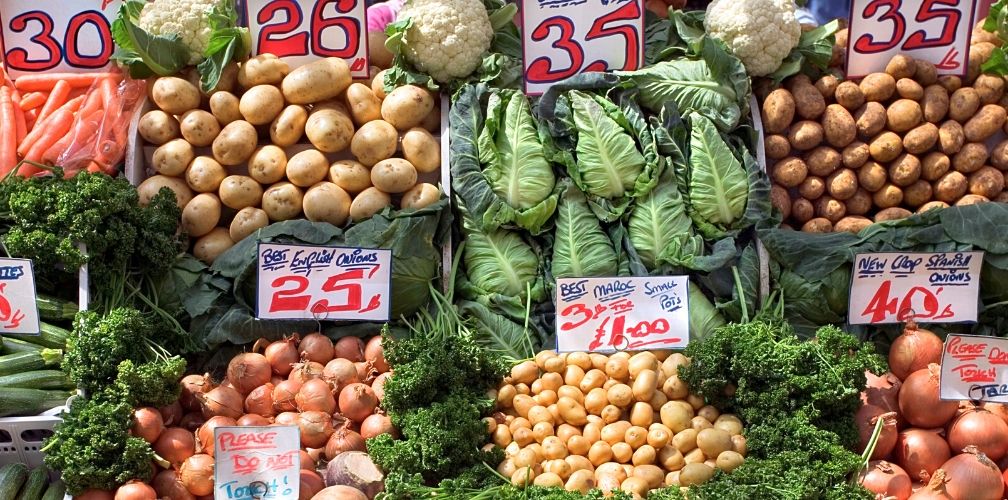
(327, 202)
(901, 66)
(872, 176)
(789, 172)
(307, 167)
(988, 182)
(818, 225)
(809, 103)
(329, 130)
(971, 199)
(225, 107)
(205, 175)
(778, 111)
(289, 126)
(422, 150)
(239, 191)
(175, 95)
(802, 210)
(838, 126)
(375, 141)
(780, 200)
(934, 165)
(822, 161)
(212, 244)
(917, 193)
(406, 106)
(950, 187)
(909, 89)
(268, 164)
(921, 139)
(158, 127)
(172, 157)
(931, 205)
(247, 221)
(951, 137)
(235, 143)
(860, 203)
(935, 104)
(978, 54)
(199, 127)
(878, 87)
(903, 115)
(842, 184)
(827, 85)
(963, 104)
(812, 188)
(855, 154)
(848, 94)
(201, 214)
(776, 146)
(261, 104)
(378, 84)
(420, 196)
(951, 83)
(367, 203)
(805, 135)
(394, 175)
(852, 224)
(981, 35)
(317, 81)
(149, 188)
(989, 88)
(350, 175)
(378, 54)
(925, 72)
(870, 119)
(364, 106)
(830, 208)
(432, 122)
(905, 170)
(263, 69)
(987, 122)
(282, 201)
(970, 158)
(887, 196)
(892, 213)
(999, 155)
(885, 147)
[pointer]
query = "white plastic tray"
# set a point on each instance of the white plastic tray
(22, 437)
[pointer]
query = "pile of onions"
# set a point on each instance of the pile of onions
(914, 350)
(935, 489)
(974, 476)
(886, 479)
(978, 427)
(921, 452)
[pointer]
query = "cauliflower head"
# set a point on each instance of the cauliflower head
(447, 38)
(189, 19)
(759, 32)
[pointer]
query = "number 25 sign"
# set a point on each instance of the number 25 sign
(562, 38)
(932, 30)
(57, 35)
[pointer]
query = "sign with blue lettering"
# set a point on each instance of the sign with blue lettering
(256, 463)
(323, 283)
(18, 308)
(626, 314)
(974, 368)
(929, 287)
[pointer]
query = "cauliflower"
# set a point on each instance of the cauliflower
(759, 32)
(446, 38)
(189, 19)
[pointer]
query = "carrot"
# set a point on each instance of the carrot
(46, 81)
(107, 88)
(19, 120)
(84, 130)
(8, 138)
(41, 126)
(57, 98)
(33, 100)
(57, 126)
(92, 103)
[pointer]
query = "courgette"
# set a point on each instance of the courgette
(12, 345)
(29, 361)
(53, 309)
(55, 491)
(12, 476)
(38, 379)
(35, 485)
(49, 336)
(20, 401)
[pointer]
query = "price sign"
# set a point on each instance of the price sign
(325, 283)
(57, 35)
(975, 368)
(302, 31)
(257, 463)
(18, 309)
(934, 287)
(933, 30)
(562, 38)
(608, 314)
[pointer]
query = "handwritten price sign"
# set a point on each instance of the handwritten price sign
(562, 38)
(302, 31)
(324, 283)
(18, 309)
(935, 287)
(933, 30)
(606, 314)
(975, 368)
(257, 463)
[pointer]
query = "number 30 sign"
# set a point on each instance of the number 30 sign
(56, 35)
(933, 30)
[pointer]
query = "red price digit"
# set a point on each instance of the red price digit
(73, 54)
(289, 300)
(866, 44)
(277, 38)
(541, 70)
(353, 292)
(880, 306)
(17, 58)
(350, 26)
(627, 12)
(918, 40)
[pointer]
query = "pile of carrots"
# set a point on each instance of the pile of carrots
(75, 121)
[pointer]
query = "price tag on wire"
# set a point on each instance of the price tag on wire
(57, 35)
(18, 307)
(302, 31)
(562, 38)
(930, 287)
(932, 30)
(257, 463)
(622, 314)
(331, 283)
(974, 368)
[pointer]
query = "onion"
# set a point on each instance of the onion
(284, 394)
(919, 400)
(914, 350)
(167, 485)
(365, 372)
(316, 427)
(378, 386)
(175, 445)
(276, 379)
(1001, 410)
(972, 475)
(316, 347)
(306, 371)
(882, 391)
(197, 474)
(377, 424)
(247, 371)
(95, 495)
(191, 386)
(147, 424)
(307, 462)
(224, 401)
(357, 401)
(316, 395)
(344, 439)
(192, 421)
(340, 372)
(316, 454)
(282, 355)
(311, 484)
(886, 479)
(921, 451)
(172, 414)
(135, 490)
(260, 400)
(205, 434)
(982, 429)
(375, 354)
(286, 418)
(935, 489)
(350, 348)
(866, 419)
(252, 420)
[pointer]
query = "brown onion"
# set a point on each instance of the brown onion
(306, 371)
(919, 399)
(344, 439)
(197, 474)
(921, 451)
(135, 490)
(286, 418)
(1001, 410)
(167, 485)
(192, 421)
(357, 401)
(95, 495)
(886, 479)
(147, 424)
(377, 424)
(882, 391)
(914, 350)
(972, 475)
(316, 427)
(172, 414)
(205, 434)
(224, 401)
(316, 395)
(935, 489)
(307, 462)
(260, 401)
(378, 386)
(252, 420)
(375, 354)
(316, 347)
(311, 484)
(175, 445)
(284, 395)
(340, 372)
(191, 386)
(282, 355)
(247, 371)
(866, 419)
(366, 372)
(982, 429)
(350, 348)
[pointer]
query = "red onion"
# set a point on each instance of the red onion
(379, 385)
(316, 347)
(357, 401)
(282, 355)
(316, 427)
(247, 371)
(205, 434)
(919, 400)
(982, 429)
(340, 372)
(866, 419)
(972, 475)
(191, 386)
(316, 395)
(284, 395)
(350, 348)
(377, 424)
(224, 401)
(375, 354)
(914, 350)
(886, 479)
(260, 400)
(935, 489)
(921, 451)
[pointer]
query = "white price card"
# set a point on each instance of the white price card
(323, 283)
(626, 314)
(257, 463)
(975, 368)
(562, 38)
(302, 31)
(18, 308)
(932, 30)
(57, 35)
(929, 287)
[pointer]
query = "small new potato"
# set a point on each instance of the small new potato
(420, 196)
(327, 202)
(367, 203)
(422, 150)
(817, 225)
(921, 139)
(963, 104)
(903, 115)
(790, 172)
(885, 147)
(860, 203)
(892, 213)
(878, 87)
(375, 141)
(261, 104)
(149, 188)
(406, 107)
(971, 199)
(852, 224)
(289, 126)
(199, 127)
(247, 221)
(999, 156)
(172, 157)
(329, 130)
(925, 72)
(158, 127)
(936, 103)
(951, 83)
(432, 122)
(951, 137)
(212, 244)
(239, 191)
(776, 146)
(848, 94)
(205, 175)
(950, 187)
(307, 168)
(378, 84)
(268, 164)
(225, 107)
(839, 126)
(931, 205)
(175, 95)
(805, 135)
(990, 88)
(350, 175)
(692, 474)
(988, 182)
(809, 103)
(830, 208)
(201, 214)
(812, 187)
(317, 81)
(907, 88)
(394, 175)
(904, 170)
(363, 104)
(823, 161)
(780, 200)
(855, 154)
(235, 143)
(263, 69)
(778, 111)
(827, 85)
(901, 66)
(282, 201)
(802, 210)
(870, 119)
(917, 193)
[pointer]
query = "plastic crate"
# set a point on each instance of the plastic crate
(21, 437)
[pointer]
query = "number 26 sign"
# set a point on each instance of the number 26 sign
(562, 38)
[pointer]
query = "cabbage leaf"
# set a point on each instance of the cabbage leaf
(718, 186)
(580, 247)
(607, 159)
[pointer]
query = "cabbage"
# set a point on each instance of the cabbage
(580, 247)
(659, 228)
(718, 187)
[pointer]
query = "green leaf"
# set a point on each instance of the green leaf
(717, 181)
(580, 248)
(497, 333)
(658, 221)
(812, 55)
(227, 43)
(704, 317)
(499, 260)
(607, 158)
(142, 52)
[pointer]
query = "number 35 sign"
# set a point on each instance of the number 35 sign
(562, 38)
(932, 30)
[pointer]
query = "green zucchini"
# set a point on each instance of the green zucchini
(38, 379)
(29, 361)
(55, 491)
(49, 336)
(12, 476)
(35, 485)
(20, 401)
(53, 309)
(13, 345)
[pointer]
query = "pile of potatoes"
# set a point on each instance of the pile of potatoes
(844, 154)
(583, 421)
(272, 144)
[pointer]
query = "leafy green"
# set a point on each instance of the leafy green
(580, 247)
(145, 54)
(997, 22)
(812, 55)
(717, 186)
(607, 159)
(659, 228)
(228, 43)
(704, 318)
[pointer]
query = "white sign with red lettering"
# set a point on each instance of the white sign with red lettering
(257, 463)
(18, 308)
(975, 368)
(932, 30)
